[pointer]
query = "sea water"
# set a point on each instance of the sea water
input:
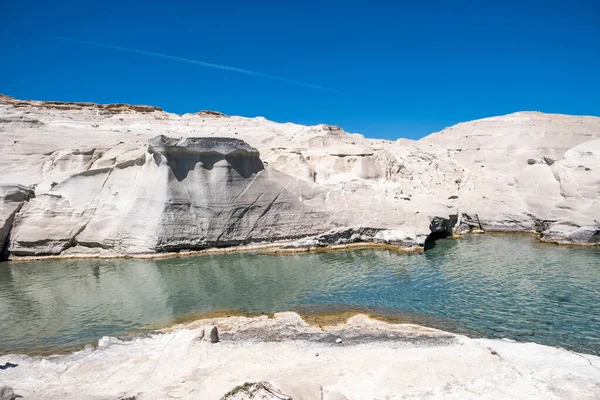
(481, 285)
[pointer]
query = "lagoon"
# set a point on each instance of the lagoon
(481, 285)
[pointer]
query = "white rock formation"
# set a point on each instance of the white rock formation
(12, 198)
(120, 179)
(374, 361)
(529, 171)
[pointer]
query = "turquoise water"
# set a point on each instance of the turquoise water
(504, 286)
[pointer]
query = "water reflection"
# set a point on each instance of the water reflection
(498, 286)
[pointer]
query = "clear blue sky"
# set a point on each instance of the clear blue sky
(398, 69)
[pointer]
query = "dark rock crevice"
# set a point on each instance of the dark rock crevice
(541, 225)
(470, 223)
(17, 195)
(440, 228)
(595, 238)
(5, 231)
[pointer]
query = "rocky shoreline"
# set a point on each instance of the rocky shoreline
(234, 357)
(268, 248)
(88, 180)
(283, 248)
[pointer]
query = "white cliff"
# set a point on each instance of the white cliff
(88, 179)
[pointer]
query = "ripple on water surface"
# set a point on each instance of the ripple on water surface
(494, 286)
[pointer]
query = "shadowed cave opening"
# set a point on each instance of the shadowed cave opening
(440, 228)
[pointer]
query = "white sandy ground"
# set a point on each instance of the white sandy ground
(375, 360)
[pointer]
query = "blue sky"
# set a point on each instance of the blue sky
(395, 69)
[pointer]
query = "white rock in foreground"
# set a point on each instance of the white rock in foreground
(375, 361)
(120, 179)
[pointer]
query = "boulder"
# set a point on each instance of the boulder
(255, 391)
(7, 393)
(209, 334)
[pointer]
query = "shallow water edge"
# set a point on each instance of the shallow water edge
(279, 248)
(319, 317)
(288, 247)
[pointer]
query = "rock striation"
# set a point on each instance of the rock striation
(81, 179)
(186, 194)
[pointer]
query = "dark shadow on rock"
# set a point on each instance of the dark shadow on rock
(183, 155)
(431, 239)
(245, 166)
(182, 165)
(440, 228)
(595, 237)
(8, 365)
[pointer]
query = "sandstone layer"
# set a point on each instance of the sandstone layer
(283, 357)
(106, 180)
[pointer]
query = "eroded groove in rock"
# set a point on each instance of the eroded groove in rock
(12, 198)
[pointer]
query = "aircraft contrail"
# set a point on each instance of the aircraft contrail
(196, 62)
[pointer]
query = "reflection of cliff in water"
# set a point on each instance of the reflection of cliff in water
(64, 301)
(254, 283)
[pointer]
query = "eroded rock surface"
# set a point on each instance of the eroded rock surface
(183, 194)
(117, 179)
(12, 198)
(283, 357)
(256, 391)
